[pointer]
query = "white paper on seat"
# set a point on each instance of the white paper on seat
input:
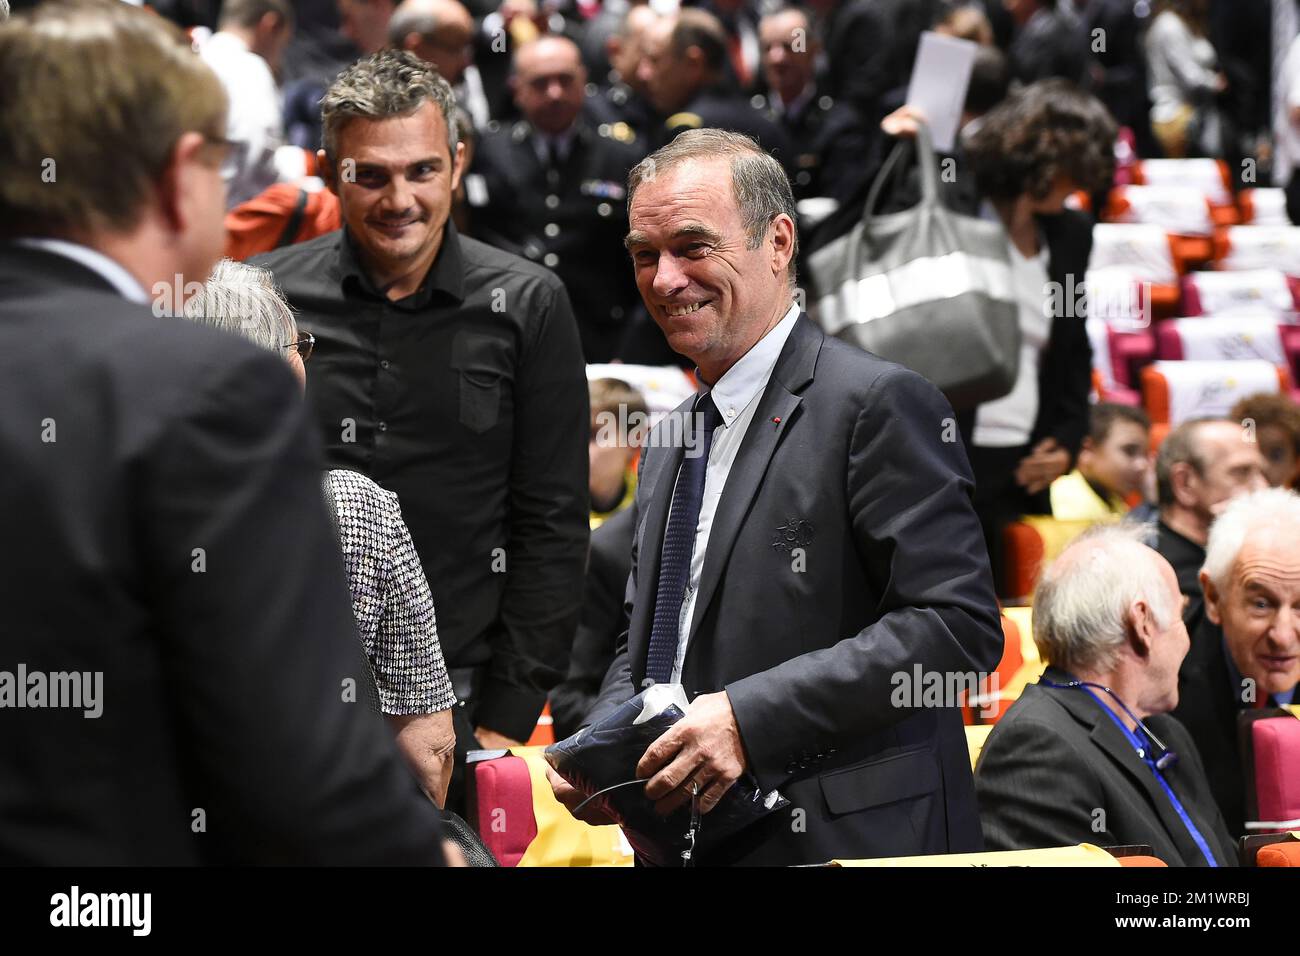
(1252, 290)
(1269, 206)
(1177, 209)
(1140, 249)
(1231, 338)
(1198, 389)
(1204, 175)
(1263, 247)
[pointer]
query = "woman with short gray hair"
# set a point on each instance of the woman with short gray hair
(390, 596)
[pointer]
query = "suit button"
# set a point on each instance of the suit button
(383, 363)
(383, 426)
(604, 209)
(552, 230)
(550, 260)
(552, 201)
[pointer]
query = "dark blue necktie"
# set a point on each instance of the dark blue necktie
(679, 542)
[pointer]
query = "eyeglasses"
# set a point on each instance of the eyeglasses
(232, 154)
(306, 342)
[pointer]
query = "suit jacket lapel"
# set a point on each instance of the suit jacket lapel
(1111, 741)
(791, 374)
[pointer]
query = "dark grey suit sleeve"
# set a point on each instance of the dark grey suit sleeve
(920, 546)
(287, 764)
(1035, 791)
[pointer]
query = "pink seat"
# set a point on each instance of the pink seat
(1276, 744)
(500, 794)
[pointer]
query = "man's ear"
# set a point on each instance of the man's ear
(782, 244)
(325, 170)
(458, 166)
(1141, 628)
(1181, 475)
(693, 59)
(177, 180)
(1213, 599)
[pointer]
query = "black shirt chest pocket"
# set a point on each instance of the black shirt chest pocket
(482, 365)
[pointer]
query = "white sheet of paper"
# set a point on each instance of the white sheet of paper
(938, 87)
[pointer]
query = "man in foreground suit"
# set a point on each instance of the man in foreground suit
(807, 544)
(1063, 766)
(168, 565)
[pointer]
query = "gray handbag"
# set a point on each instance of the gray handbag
(926, 287)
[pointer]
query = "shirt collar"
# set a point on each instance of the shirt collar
(740, 383)
(107, 269)
(446, 275)
(794, 109)
(562, 143)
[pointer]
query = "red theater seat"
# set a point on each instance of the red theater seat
(1275, 755)
(500, 795)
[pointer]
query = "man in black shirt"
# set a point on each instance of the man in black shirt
(450, 373)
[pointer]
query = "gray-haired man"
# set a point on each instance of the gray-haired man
(450, 373)
(1089, 754)
(823, 543)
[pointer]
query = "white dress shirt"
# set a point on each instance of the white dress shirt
(108, 269)
(255, 121)
(736, 394)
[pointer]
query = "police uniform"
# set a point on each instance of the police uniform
(717, 108)
(832, 145)
(567, 212)
(616, 102)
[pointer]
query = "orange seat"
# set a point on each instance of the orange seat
(1279, 854)
(543, 733)
(991, 709)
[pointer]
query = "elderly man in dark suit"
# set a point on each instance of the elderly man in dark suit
(1089, 754)
(1246, 647)
(806, 544)
(167, 557)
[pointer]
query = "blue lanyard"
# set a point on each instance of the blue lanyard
(1145, 753)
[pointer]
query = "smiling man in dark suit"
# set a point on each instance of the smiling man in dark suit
(809, 540)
